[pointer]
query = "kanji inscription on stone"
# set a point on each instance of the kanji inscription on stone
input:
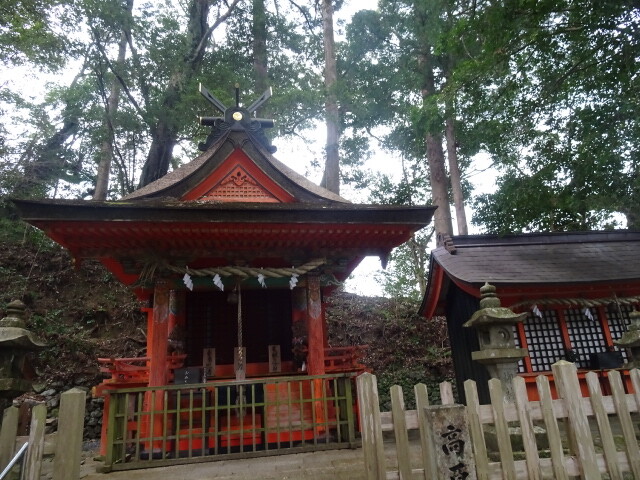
(448, 436)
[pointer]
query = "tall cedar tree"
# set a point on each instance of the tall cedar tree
(331, 177)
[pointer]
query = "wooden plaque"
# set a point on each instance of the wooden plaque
(209, 362)
(275, 361)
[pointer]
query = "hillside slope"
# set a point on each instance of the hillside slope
(403, 348)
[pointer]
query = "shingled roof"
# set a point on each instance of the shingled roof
(526, 260)
(549, 258)
(234, 204)
(176, 183)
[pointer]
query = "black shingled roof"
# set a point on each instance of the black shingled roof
(561, 258)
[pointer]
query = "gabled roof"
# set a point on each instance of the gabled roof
(532, 263)
(265, 177)
(233, 205)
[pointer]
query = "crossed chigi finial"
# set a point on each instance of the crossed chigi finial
(236, 118)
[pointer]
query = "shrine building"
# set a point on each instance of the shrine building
(577, 289)
(232, 256)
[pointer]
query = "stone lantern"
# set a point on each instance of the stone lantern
(631, 340)
(15, 344)
(498, 351)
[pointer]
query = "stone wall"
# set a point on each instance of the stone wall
(50, 395)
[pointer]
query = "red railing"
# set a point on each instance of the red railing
(603, 376)
(131, 372)
(344, 359)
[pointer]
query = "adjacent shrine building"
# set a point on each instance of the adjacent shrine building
(232, 255)
(577, 289)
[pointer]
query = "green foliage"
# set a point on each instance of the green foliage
(18, 232)
(406, 273)
(407, 378)
(538, 202)
(403, 348)
(34, 32)
(63, 135)
(553, 84)
(549, 89)
(62, 335)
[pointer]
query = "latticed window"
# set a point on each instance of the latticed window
(585, 334)
(544, 340)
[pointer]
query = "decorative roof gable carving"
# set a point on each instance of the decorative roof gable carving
(239, 186)
(238, 179)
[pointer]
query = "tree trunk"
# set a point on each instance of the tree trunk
(48, 164)
(633, 221)
(164, 133)
(111, 107)
(419, 256)
(435, 158)
(260, 54)
(454, 173)
(433, 136)
(331, 177)
(47, 168)
(438, 179)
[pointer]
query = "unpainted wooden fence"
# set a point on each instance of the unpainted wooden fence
(570, 437)
(65, 445)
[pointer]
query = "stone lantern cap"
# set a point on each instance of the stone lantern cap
(494, 325)
(13, 333)
(631, 338)
(491, 312)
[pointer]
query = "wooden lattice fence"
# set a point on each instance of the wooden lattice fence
(573, 436)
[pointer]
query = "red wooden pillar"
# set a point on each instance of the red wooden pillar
(315, 357)
(315, 328)
(157, 343)
(177, 314)
(158, 337)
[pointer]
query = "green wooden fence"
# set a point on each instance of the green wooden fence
(229, 419)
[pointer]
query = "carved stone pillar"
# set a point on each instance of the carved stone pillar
(631, 340)
(16, 342)
(498, 352)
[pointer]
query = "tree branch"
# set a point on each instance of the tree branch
(305, 15)
(124, 85)
(205, 38)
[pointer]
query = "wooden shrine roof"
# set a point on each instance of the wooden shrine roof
(205, 233)
(533, 263)
(180, 181)
(255, 218)
(235, 204)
